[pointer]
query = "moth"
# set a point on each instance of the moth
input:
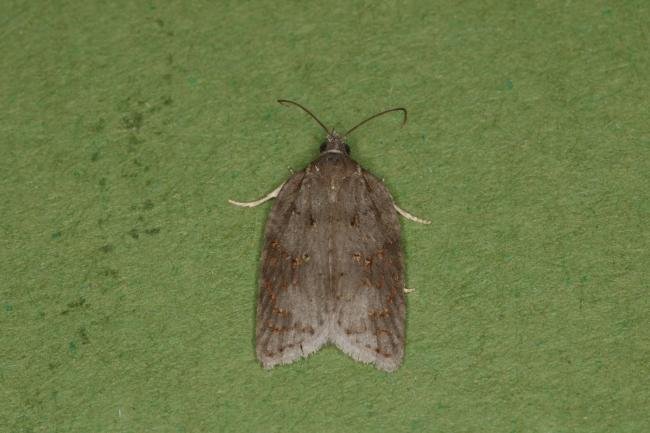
(332, 266)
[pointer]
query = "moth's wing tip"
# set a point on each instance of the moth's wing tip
(388, 368)
(269, 362)
(290, 355)
(387, 364)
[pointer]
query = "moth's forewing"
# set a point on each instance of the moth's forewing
(332, 268)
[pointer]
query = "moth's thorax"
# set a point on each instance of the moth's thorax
(333, 172)
(336, 144)
(334, 165)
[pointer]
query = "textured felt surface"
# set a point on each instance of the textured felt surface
(128, 284)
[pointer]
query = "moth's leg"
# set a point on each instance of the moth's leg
(269, 196)
(409, 216)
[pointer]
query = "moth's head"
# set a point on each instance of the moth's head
(335, 143)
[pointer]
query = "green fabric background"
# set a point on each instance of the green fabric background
(128, 284)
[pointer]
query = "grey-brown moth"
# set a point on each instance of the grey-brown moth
(332, 268)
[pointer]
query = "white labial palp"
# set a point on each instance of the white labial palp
(269, 196)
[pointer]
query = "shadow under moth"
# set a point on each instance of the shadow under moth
(332, 267)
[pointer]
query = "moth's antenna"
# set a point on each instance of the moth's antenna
(286, 101)
(377, 115)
